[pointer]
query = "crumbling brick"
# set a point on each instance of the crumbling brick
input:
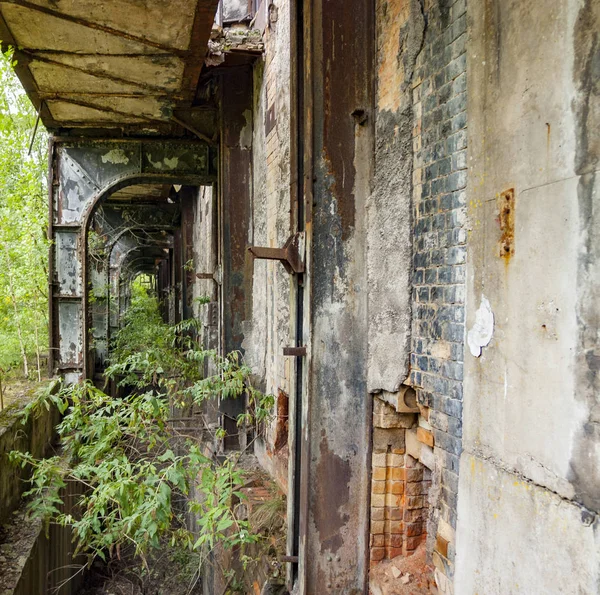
(425, 436)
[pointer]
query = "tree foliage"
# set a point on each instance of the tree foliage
(23, 223)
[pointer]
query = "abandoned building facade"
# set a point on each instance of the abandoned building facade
(393, 208)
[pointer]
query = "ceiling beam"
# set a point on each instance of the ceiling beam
(93, 25)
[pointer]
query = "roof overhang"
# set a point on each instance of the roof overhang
(104, 64)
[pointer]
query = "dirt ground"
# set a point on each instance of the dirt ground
(169, 572)
(403, 576)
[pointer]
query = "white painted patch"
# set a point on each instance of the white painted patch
(115, 156)
(483, 329)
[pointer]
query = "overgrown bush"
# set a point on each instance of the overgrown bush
(123, 449)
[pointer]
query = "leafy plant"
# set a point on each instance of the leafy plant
(136, 467)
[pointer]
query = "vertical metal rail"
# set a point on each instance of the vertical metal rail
(50, 235)
(297, 224)
(300, 222)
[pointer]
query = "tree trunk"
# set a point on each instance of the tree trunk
(13, 298)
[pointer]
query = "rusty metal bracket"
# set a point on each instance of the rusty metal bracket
(289, 256)
(295, 351)
(216, 276)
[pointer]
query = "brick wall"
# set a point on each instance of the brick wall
(439, 252)
(399, 487)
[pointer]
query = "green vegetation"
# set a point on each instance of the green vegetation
(143, 472)
(137, 468)
(23, 221)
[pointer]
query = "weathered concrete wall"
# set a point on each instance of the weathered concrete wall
(338, 413)
(532, 445)
(34, 437)
(205, 247)
(36, 559)
(272, 326)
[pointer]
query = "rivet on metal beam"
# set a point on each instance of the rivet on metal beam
(295, 351)
(289, 256)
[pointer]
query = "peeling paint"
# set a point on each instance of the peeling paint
(481, 333)
(115, 156)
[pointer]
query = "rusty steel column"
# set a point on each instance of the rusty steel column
(339, 36)
(236, 200)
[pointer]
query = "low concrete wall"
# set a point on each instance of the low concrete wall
(35, 560)
(35, 436)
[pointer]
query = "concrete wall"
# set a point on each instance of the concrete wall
(35, 437)
(528, 492)
(271, 327)
(33, 558)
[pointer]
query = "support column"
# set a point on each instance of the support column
(337, 414)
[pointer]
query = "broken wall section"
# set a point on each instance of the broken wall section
(399, 487)
(417, 248)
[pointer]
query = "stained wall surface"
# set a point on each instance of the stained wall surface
(271, 327)
(531, 459)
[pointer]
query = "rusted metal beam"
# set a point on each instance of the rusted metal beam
(294, 351)
(193, 130)
(198, 48)
(339, 65)
(236, 91)
(289, 255)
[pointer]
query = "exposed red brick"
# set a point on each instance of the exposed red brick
(396, 487)
(379, 473)
(394, 514)
(396, 473)
(377, 540)
(414, 474)
(412, 543)
(393, 527)
(378, 487)
(414, 529)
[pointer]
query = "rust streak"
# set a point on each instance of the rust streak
(506, 204)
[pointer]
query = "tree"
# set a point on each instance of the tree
(23, 224)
